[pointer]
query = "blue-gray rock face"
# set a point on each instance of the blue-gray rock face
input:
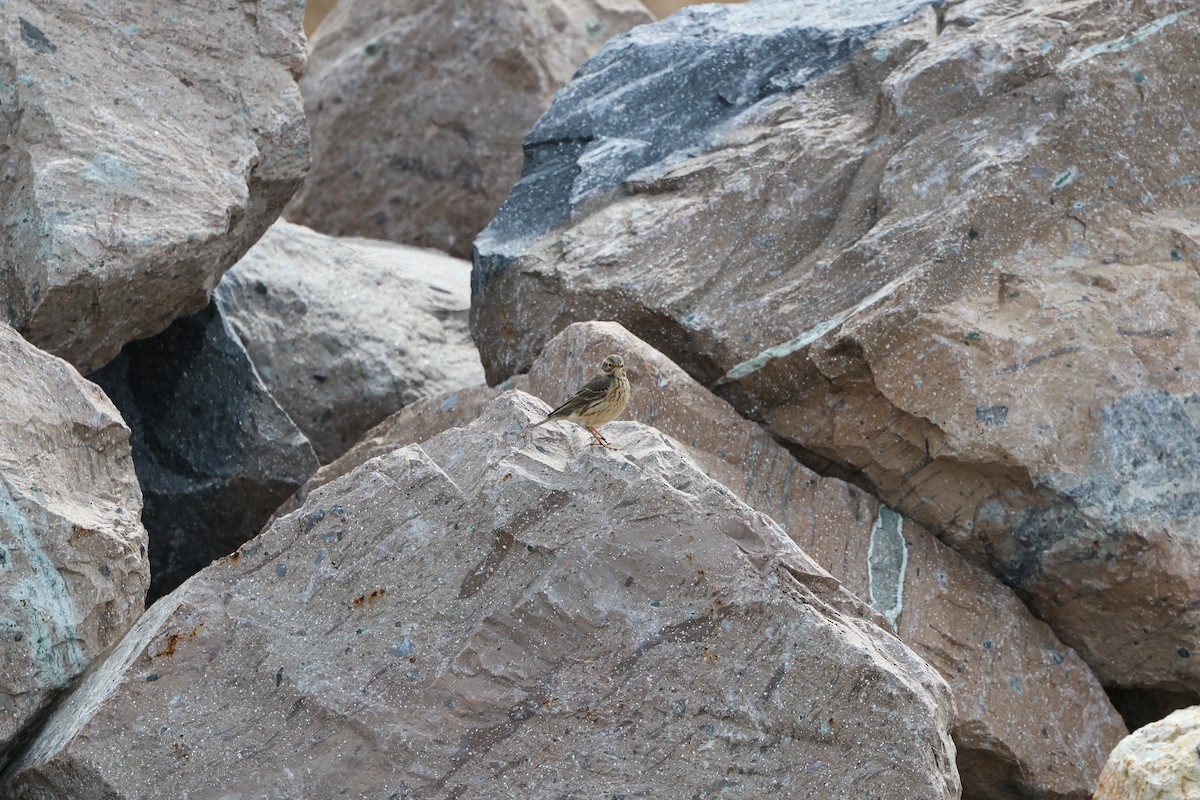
(667, 90)
(214, 453)
(961, 266)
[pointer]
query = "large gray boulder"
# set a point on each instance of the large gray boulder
(345, 331)
(506, 612)
(214, 453)
(958, 267)
(143, 148)
(73, 566)
(1032, 720)
(418, 109)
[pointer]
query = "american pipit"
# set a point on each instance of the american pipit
(601, 400)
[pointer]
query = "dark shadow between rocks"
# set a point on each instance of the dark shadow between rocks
(214, 453)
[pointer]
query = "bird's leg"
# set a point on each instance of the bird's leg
(600, 440)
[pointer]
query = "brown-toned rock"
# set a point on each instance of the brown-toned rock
(1158, 762)
(418, 109)
(142, 151)
(500, 611)
(961, 267)
(73, 567)
(345, 331)
(1032, 721)
(1031, 716)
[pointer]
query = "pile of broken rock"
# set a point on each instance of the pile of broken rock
(905, 501)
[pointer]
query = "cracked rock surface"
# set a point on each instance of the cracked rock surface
(504, 611)
(1157, 762)
(345, 331)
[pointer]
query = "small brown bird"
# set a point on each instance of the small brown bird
(601, 400)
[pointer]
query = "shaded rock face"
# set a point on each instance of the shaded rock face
(141, 155)
(925, 270)
(73, 566)
(214, 453)
(499, 610)
(344, 332)
(1158, 762)
(418, 109)
(1031, 718)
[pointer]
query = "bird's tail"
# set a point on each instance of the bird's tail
(543, 422)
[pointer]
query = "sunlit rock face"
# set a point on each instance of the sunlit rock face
(1030, 716)
(345, 331)
(959, 265)
(507, 612)
(143, 149)
(418, 109)
(1157, 762)
(73, 566)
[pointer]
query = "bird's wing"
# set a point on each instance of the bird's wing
(593, 390)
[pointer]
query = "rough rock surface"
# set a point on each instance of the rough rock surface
(345, 331)
(73, 567)
(141, 155)
(1033, 720)
(1031, 716)
(418, 109)
(504, 612)
(1158, 762)
(960, 268)
(215, 455)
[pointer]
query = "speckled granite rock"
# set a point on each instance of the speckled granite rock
(418, 109)
(73, 567)
(1032, 718)
(1158, 762)
(141, 155)
(214, 453)
(345, 331)
(509, 612)
(960, 267)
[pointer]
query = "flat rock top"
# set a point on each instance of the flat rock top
(505, 610)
